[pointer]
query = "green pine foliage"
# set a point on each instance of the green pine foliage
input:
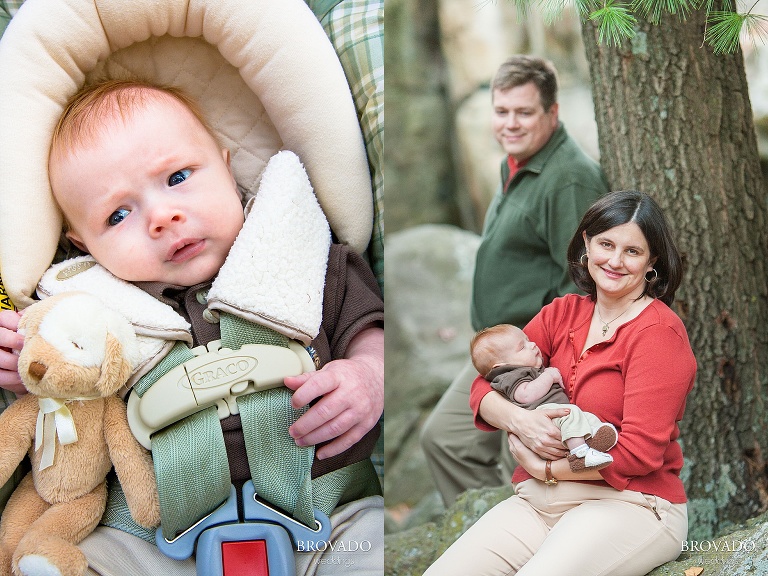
(617, 19)
(615, 22)
(654, 10)
(725, 29)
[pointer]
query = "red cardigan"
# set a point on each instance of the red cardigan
(638, 381)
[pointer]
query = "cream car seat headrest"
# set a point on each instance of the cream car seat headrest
(264, 73)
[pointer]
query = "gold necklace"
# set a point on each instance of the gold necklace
(605, 324)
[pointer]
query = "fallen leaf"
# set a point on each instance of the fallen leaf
(694, 571)
(399, 512)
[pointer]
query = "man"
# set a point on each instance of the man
(547, 183)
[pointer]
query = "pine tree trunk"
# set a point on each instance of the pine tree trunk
(675, 121)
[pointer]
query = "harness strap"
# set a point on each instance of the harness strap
(353, 482)
(194, 448)
(117, 514)
(191, 469)
(191, 462)
(191, 448)
(281, 471)
(179, 354)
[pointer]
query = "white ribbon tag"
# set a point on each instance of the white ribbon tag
(54, 419)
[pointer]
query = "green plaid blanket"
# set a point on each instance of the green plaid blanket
(356, 29)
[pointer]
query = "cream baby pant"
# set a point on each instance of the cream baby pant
(577, 424)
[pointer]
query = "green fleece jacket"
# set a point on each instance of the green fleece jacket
(521, 262)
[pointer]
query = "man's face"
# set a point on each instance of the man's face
(520, 123)
(151, 196)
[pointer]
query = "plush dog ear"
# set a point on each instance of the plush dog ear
(115, 370)
(32, 316)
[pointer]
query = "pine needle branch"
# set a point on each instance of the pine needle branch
(653, 10)
(728, 27)
(615, 23)
(616, 20)
(552, 10)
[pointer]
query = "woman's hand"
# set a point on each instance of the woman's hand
(10, 346)
(534, 465)
(526, 457)
(535, 430)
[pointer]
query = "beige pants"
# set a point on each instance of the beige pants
(111, 552)
(459, 455)
(571, 529)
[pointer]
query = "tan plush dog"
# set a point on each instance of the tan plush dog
(76, 356)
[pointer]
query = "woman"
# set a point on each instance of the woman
(624, 356)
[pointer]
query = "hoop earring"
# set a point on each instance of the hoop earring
(581, 260)
(655, 276)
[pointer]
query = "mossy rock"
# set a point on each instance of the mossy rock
(410, 552)
(743, 552)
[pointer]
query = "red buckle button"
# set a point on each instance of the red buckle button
(247, 558)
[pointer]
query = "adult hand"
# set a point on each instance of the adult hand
(535, 429)
(526, 457)
(350, 392)
(10, 346)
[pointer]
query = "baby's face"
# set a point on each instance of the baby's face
(151, 197)
(519, 351)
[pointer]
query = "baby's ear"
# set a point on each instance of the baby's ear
(75, 239)
(227, 159)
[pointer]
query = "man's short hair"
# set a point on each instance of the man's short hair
(521, 69)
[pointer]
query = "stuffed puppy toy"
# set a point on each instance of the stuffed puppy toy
(77, 354)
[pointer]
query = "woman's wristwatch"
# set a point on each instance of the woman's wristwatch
(549, 480)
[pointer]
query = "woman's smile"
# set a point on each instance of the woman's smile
(612, 274)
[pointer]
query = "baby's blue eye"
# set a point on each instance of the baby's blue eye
(179, 177)
(118, 216)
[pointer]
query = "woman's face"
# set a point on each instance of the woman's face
(618, 260)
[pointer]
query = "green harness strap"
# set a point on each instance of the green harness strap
(280, 470)
(191, 448)
(191, 469)
(191, 463)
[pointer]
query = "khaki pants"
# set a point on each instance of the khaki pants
(571, 529)
(459, 455)
(111, 552)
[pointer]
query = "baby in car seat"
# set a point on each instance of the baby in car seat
(147, 190)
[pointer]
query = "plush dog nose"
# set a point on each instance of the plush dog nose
(37, 370)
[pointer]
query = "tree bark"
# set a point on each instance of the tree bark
(674, 120)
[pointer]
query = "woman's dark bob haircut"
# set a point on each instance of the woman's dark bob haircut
(619, 208)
